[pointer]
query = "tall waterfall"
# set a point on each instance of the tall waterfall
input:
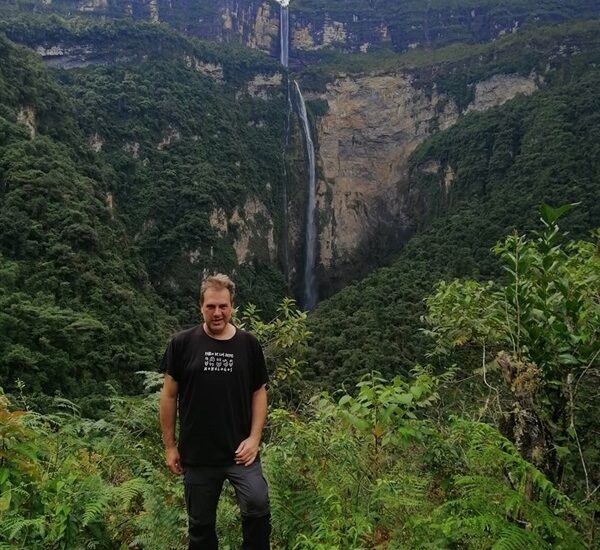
(310, 286)
(284, 41)
(284, 32)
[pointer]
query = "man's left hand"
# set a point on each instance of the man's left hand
(247, 451)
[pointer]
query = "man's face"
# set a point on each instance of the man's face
(216, 309)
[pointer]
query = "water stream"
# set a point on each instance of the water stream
(284, 58)
(284, 33)
(310, 286)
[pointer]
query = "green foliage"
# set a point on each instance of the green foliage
(546, 316)
(185, 154)
(120, 40)
(464, 485)
(381, 408)
(285, 341)
(370, 470)
(497, 500)
(506, 161)
(86, 239)
(75, 304)
(67, 482)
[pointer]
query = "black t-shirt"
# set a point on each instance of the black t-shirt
(216, 381)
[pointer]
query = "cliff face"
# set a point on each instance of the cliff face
(373, 124)
(319, 24)
(365, 135)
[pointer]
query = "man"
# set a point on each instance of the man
(215, 376)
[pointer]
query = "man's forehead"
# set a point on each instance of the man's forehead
(217, 296)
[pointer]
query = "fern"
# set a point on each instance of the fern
(512, 537)
(95, 509)
(129, 490)
(500, 501)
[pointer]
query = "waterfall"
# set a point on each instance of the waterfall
(284, 41)
(284, 32)
(310, 287)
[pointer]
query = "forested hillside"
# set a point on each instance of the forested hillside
(187, 138)
(503, 164)
(77, 307)
(385, 466)
(110, 175)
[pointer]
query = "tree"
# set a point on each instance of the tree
(542, 329)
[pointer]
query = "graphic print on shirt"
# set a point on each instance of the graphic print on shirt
(215, 361)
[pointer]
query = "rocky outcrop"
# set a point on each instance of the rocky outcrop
(373, 124)
(265, 33)
(212, 70)
(254, 24)
(250, 229)
(26, 117)
(96, 143)
(110, 205)
(133, 149)
(262, 86)
(172, 135)
(499, 89)
(92, 5)
(154, 16)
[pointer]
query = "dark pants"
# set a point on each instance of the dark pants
(203, 487)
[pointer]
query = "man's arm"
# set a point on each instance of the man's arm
(168, 417)
(248, 449)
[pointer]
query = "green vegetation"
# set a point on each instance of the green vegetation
(123, 41)
(217, 152)
(383, 467)
(558, 53)
(122, 179)
(503, 162)
(542, 330)
(87, 239)
(75, 304)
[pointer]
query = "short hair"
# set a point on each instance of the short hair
(217, 281)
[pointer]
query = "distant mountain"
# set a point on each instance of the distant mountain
(347, 25)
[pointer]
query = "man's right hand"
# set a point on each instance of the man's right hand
(172, 460)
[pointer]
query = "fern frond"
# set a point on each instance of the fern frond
(96, 508)
(514, 538)
(129, 490)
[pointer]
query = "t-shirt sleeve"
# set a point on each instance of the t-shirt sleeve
(170, 364)
(259, 372)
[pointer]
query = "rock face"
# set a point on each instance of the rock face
(499, 89)
(255, 24)
(373, 124)
(212, 70)
(26, 116)
(96, 143)
(263, 86)
(250, 229)
(92, 5)
(401, 24)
